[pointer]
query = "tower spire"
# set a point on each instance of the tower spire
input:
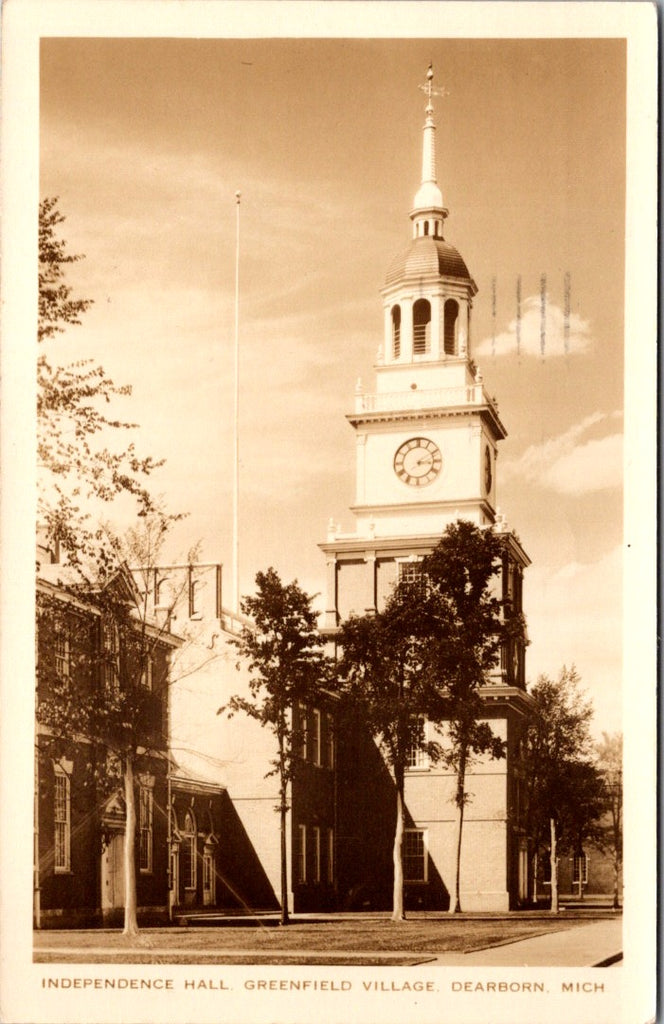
(428, 211)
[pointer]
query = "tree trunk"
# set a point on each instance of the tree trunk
(283, 809)
(554, 868)
(535, 870)
(130, 919)
(460, 800)
(398, 913)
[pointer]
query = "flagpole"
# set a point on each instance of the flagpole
(236, 417)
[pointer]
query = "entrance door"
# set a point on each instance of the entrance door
(112, 874)
(208, 878)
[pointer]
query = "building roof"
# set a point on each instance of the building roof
(425, 256)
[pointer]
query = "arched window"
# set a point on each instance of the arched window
(188, 852)
(396, 331)
(426, 227)
(421, 326)
(451, 317)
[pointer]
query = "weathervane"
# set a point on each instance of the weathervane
(429, 89)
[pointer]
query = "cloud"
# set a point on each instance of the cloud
(573, 463)
(556, 335)
(574, 615)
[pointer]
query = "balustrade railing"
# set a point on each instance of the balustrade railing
(471, 394)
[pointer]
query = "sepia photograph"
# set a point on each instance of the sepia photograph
(329, 387)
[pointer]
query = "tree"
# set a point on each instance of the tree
(384, 679)
(79, 458)
(561, 783)
(609, 837)
(283, 651)
(113, 699)
(471, 631)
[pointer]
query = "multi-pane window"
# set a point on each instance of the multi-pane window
(62, 655)
(302, 854)
(188, 851)
(330, 855)
(580, 868)
(111, 641)
(145, 813)
(418, 758)
(414, 856)
(411, 574)
(62, 820)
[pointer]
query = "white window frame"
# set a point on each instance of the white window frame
(145, 828)
(62, 819)
(62, 655)
(418, 759)
(577, 860)
(422, 832)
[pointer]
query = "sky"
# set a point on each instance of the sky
(146, 141)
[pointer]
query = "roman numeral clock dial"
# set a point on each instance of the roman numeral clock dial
(418, 462)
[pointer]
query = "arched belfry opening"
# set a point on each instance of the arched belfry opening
(451, 313)
(396, 332)
(421, 327)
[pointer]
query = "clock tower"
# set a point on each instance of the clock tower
(427, 436)
(427, 440)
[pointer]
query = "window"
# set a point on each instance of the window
(316, 738)
(302, 727)
(414, 856)
(580, 868)
(418, 758)
(302, 854)
(451, 317)
(145, 828)
(62, 660)
(111, 655)
(316, 851)
(188, 851)
(421, 326)
(330, 856)
(146, 674)
(62, 820)
(194, 598)
(411, 574)
(396, 331)
(329, 740)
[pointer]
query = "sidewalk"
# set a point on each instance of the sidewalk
(584, 946)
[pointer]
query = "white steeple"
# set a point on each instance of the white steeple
(428, 211)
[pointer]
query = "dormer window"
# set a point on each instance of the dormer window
(421, 327)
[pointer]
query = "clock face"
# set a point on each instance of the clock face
(488, 475)
(418, 462)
